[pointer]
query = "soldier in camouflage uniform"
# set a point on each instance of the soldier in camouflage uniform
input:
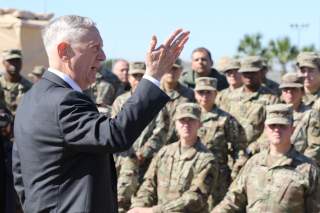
(162, 130)
(229, 67)
(182, 175)
(102, 93)
(309, 67)
(247, 103)
(13, 84)
(126, 162)
(201, 65)
(165, 132)
(217, 131)
(276, 180)
(291, 93)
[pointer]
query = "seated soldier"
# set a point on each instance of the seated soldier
(218, 130)
(181, 176)
(279, 179)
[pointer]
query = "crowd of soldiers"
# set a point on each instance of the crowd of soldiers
(229, 140)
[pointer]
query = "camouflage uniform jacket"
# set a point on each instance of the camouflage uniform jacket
(309, 99)
(129, 172)
(178, 181)
(101, 92)
(13, 92)
(223, 98)
(306, 136)
(189, 77)
(146, 133)
(290, 184)
(165, 131)
(218, 129)
(249, 110)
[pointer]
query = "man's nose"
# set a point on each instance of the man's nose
(101, 56)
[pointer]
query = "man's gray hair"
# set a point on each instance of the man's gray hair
(69, 28)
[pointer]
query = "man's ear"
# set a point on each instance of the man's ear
(65, 51)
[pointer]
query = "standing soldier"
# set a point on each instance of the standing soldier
(13, 84)
(201, 65)
(165, 130)
(247, 103)
(102, 93)
(182, 175)
(309, 68)
(217, 131)
(126, 162)
(229, 67)
(279, 179)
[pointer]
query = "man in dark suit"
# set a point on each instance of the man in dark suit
(62, 158)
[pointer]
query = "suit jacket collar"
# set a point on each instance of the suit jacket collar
(55, 79)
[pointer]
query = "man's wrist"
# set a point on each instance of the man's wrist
(152, 79)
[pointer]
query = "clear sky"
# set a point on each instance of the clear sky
(127, 26)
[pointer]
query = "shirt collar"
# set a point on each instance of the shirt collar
(66, 78)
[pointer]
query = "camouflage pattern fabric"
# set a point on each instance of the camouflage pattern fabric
(286, 184)
(306, 136)
(179, 180)
(249, 110)
(101, 92)
(217, 131)
(13, 92)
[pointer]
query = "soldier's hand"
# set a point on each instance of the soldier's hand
(160, 60)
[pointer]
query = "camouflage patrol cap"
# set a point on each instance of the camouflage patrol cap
(291, 80)
(177, 63)
(137, 67)
(308, 59)
(252, 64)
(206, 83)
(279, 114)
(226, 63)
(11, 54)
(188, 110)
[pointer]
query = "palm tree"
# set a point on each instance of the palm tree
(283, 52)
(251, 45)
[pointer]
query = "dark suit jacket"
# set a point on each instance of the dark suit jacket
(62, 158)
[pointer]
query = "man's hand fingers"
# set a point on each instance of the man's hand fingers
(181, 39)
(153, 44)
(168, 42)
(184, 39)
